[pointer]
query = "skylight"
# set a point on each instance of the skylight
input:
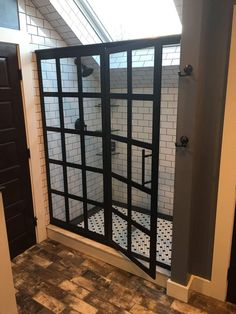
(130, 19)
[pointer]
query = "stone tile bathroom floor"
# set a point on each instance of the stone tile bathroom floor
(51, 278)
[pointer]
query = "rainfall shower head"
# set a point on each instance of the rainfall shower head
(86, 71)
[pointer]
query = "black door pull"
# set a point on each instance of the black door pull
(183, 142)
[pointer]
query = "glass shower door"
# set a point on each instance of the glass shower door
(133, 109)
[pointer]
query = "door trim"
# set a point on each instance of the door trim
(7, 291)
(217, 286)
(30, 104)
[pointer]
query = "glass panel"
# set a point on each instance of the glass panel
(143, 71)
(70, 111)
(93, 151)
(58, 207)
(56, 177)
(119, 158)
(141, 207)
(73, 152)
(164, 240)
(171, 55)
(90, 69)
(140, 242)
(74, 179)
(94, 186)
(118, 109)
(96, 219)
(169, 103)
(69, 79)
(92, 114)
(140, 157)
(142, 115)
(76, 211)
(119, 195)
(52, 111)
(118, 72)
(49, 75)
(119, 231)
(54, 145)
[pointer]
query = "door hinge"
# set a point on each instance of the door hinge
(35, 221)
(228, 274)
(20, 74)
(28, 153)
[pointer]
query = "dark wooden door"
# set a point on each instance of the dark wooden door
(14, 167)
(231, 293)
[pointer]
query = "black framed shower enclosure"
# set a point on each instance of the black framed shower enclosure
(89, 156)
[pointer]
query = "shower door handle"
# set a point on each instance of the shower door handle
(143, 167)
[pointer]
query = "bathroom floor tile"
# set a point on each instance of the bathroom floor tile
(65, 281)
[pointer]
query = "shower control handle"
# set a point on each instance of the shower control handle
(80, 125)
(183, 142)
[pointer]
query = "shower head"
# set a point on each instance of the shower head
(86, 71)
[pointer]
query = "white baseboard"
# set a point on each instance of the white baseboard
(104, 253)
(198, 284)
(178, 291)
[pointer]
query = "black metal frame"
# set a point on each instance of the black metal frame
(104, 51)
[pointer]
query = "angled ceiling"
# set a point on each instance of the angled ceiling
(71, 23)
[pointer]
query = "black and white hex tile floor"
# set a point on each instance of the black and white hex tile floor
(140, 241)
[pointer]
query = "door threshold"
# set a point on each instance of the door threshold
(104, 253)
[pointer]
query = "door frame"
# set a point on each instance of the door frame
(30, 103)
(7, 291)
(217, 286)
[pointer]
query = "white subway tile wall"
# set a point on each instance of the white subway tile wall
(41, 36)
(142, 130)
(58, 202)
(93, 122)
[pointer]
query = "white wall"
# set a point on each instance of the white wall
(41, 35)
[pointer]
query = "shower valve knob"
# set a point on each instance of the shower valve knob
(183, 142)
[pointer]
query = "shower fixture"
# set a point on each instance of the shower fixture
(86, 71)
